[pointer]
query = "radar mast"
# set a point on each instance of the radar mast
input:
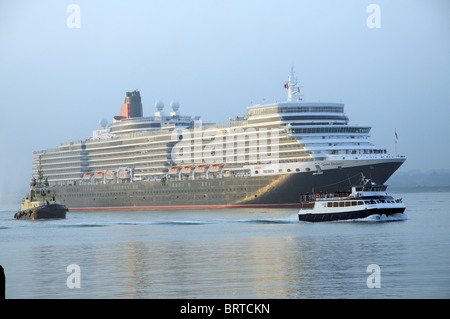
(291, 86)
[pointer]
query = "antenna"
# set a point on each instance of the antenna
(291, 86)
(40, 175)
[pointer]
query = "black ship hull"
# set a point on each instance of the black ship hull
(43, 212)
(357, 214)
(230, 192)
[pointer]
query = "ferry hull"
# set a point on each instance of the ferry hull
(328, 217)
(232, 192)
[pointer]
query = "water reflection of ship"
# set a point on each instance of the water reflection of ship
(255, 269)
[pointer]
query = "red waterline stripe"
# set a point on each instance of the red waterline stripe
(188, 207)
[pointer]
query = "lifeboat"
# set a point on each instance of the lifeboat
(87, 176)
(124, 174)
(216, 168)
(201, 169)
(99, 175)
(174, 170)
(111, 174)
(226, 174)
(187, 170)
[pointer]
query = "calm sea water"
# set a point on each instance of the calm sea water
(229, 254)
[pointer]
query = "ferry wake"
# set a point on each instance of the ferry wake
(266, 158)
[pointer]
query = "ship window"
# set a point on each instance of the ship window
(335, 204)
(360, 203)
(330, 204)
(347, 203)
(341, 204)
(354, 203)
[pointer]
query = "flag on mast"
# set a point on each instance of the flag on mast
(395, 144)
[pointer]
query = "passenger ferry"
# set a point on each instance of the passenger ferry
(362, 202)
(262, 159)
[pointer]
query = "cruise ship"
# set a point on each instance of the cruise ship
(265, 158)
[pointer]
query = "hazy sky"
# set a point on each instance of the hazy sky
(216, 57)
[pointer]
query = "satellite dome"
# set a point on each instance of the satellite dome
(103, 122)
(159, 105)
(175, 105)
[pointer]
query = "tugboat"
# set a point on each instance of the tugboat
(40, 203)
(363, 201)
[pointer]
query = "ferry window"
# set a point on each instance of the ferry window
(354, 203)
(347, 203)
(335, 204)
(360, 203)
(330, 204)
(341, 204)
